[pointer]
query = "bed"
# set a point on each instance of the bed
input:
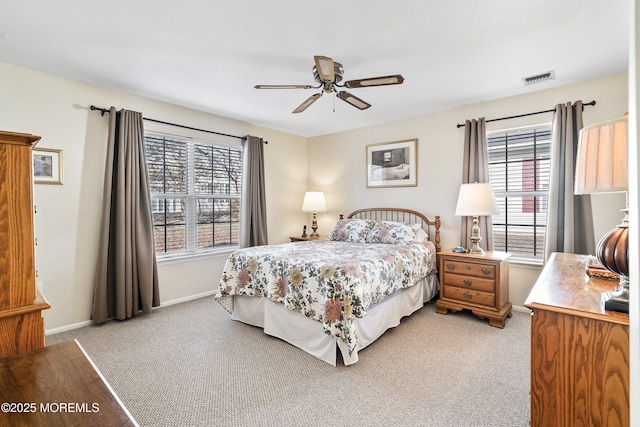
(337, 295)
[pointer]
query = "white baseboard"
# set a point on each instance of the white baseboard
(164, 304)
(189, 298)
(68, 327)
(521, 308)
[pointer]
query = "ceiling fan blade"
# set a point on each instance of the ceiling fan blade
(375, 81)
(353, 100)
(283, 87)
(313, 98)
(324, 66)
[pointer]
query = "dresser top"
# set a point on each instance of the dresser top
(487, 255)
(564, 286)
(61, 374)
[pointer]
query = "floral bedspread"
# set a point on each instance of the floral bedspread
(329, 281)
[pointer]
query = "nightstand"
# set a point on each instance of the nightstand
(304, 239)
(479, 283)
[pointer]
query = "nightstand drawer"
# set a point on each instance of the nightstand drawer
(470, 296)
(468, 268)
(468, 282)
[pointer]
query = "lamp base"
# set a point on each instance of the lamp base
(314, 227)
(617, 300)
(475, 249)
(612, 252)
(475, 238)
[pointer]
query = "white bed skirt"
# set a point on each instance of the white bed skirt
(308, 335)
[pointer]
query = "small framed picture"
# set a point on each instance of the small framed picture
(47, 166)
(392, 164)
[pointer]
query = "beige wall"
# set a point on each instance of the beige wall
(337, 161)
(68, 216)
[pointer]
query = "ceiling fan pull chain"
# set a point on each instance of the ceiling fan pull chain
(334, 104)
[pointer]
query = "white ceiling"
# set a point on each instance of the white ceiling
(208, 54)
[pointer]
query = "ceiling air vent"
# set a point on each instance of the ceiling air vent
(538, 78)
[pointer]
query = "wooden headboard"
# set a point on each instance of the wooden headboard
(402, 215)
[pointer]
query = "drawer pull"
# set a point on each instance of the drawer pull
(486, 271)
(467, 267)
(467, 296)
(467, 282)
(451, 267)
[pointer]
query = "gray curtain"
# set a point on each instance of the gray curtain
(475, 168)
(253, 229)
(569, 217)
(126, 274)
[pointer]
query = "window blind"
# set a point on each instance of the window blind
(195, 190)
(519, 162)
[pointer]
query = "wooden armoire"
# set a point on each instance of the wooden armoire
(21, 305)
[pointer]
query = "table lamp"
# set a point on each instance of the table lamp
(601, 167)
(314, 202)
(476, 200)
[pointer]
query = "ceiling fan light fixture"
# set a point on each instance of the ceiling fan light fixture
(353, 100)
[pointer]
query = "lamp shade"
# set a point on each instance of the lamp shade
(601, 162)
(476, 199)
(314, 202)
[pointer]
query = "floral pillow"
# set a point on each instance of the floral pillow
(394, 232)
(351, 230)
(421, 236)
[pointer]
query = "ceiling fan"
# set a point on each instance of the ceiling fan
(328, 74)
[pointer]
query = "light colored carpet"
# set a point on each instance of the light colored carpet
(190, 365)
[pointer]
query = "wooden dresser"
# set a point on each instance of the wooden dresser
(21, 323)
(479, 283)
(579, 351)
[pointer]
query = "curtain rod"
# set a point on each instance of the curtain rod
(528, 114)
(104, 110)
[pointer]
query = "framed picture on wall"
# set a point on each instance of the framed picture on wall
(47, 166)
(392, 164)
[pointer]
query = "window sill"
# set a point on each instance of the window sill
(526, 263)
(188, 257)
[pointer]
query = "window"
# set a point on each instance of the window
(519, 174)
(195, 194)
